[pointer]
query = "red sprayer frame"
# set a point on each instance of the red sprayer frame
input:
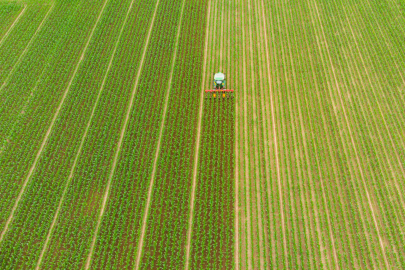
(218, 90)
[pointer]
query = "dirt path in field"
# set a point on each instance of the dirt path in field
(55, 218)
(273, 120)
(145, 218)
(351, 138)
(27, 47)
(12, 26)
(190, 221)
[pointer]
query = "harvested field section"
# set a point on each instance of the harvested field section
(46, 186)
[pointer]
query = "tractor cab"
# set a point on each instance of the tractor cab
(219, 80)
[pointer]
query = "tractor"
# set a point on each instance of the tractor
(219, 87)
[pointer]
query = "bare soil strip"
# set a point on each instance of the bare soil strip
(129, 109)
(145, 217)
(44, 142)
(274, 135)
(12, 26)
(55, 218)
(190, 221)
(27, 47)
(352, 140)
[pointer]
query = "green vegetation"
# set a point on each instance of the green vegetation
(112, 157)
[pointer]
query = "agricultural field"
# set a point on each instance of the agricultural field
(113, 156)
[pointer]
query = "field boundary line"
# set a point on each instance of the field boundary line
(190, 221)
(82, 143)
(26, 48)
(12, 25)
(275, 135)
(146, 213)
(123, 130)
(352, 141)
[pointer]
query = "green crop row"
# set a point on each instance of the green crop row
(8, 14)
(18, 39)
(43, 191)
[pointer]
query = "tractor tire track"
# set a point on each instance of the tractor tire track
(190, 221)
(352, 140)
(273, 131)
(26, 47)
(55, 218)
(12, 26)
(114, 164)
(44, 142)
(169, 84)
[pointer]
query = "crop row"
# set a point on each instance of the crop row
(44, 188)
(19, 151)
(166, 235)
(17, 40)
(120, 229)
(212, 230)
(8, 14)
